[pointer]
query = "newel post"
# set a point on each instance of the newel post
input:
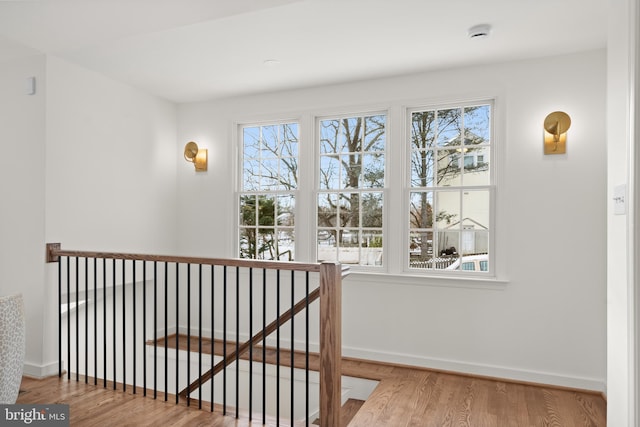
(50, 254)
(330, 344)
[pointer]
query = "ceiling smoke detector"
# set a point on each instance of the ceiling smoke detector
(479, 31)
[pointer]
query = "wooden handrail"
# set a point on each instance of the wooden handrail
(54, 252)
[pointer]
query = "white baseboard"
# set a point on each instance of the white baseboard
(453, 366)
(41, 371)
(482, 370)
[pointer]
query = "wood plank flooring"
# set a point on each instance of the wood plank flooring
(94, 405)
(405, 396)
(410, 396)
(439, 399)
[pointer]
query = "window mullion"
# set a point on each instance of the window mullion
(306, 202)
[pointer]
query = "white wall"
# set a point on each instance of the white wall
(22, 176)
(622, 337)
(111, 164)
(88, 162)
(548, 322)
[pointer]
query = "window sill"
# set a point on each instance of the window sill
(471, 282)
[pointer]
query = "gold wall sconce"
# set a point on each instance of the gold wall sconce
(556, 125)
(195, 155)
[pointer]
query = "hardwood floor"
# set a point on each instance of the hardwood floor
(95, 405)
(405, 396)
(410, 396)
(438, 399)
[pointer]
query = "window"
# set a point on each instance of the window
(450, 185)
(420, 203)
(350, 189)
(267, 191)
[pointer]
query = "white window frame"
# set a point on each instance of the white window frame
(240, 191)
(396, 192)
(491, 187)
(316, 181)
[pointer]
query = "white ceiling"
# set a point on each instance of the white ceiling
(192, 50)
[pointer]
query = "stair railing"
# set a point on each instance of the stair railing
(121, 313)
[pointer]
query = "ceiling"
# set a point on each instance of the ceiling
(193, 50)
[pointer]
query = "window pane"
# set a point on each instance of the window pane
(449, 168)
(349, 247)
(247, 243)
(266, 210)
(269, 176)
(474, 242)
(349, 238)
(289, 134)
(247, 210)
(286, 244)
(448, 244)
(421, 249)
(371, 248)
(329, 173)
(422, 168)
(449, 127)
(270, 141)
(477, 124)
(327, 245)
(285, 209)
(476, 208)
(350, 138)
(373, 175)
(372, 210)
(349, 210)
(251, 142)
(447, 209)
(329, 136)
(421, 210)
(351, 169)
(266, 245)
(423, 130)
(476, 172)
(251, 175)
(374, 137)
(327, 209)
(288, 173)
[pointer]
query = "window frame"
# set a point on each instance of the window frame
(317, 190)
(396, 189)
(274, 193)
(492, 273)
